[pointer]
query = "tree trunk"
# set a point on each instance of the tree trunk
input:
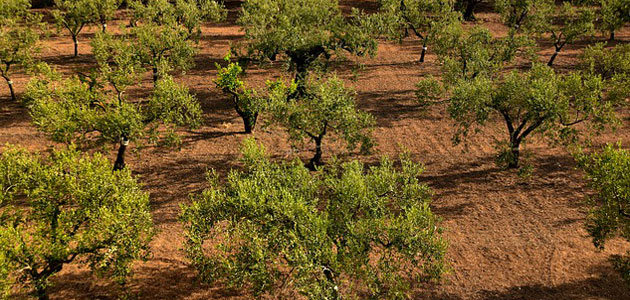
(612, 36)
(300, 80)
(249, 120)
(41, 293)
(316, 161)
(553, 57)
(516, 152)
(76, 46)
(120, 158)
(155, 75)
(10, 83)
(469, 13)
(424, 50)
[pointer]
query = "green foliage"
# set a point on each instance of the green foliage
(118, 62)
(104, 11)
(609, 175)
(11, 9)
(467, 54)
(614, 15)
(303, 30)
(73, 15)
(537, 101)
(19, 39)
(166, 32)
(246, 101)
(350, 231)
(529, 16)
(173, 104)
(73, 111)
(325, 107)
(613, 65)
(424, 18)
(67, 208)
(569, 25)
(186, 13)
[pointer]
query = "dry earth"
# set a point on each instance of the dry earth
(509, 238)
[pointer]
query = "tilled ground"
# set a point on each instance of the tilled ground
(509, 238)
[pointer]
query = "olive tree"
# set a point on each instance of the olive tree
(537, 101)
(351, 231)
(74, 15)
(526, 16)
(104, 11)
(609, 175)
(424, 18)
(68, 208)
(166, 32)
(246, 101)
(326, 107)
(614, 15)
(569, 25)
(305, 31)
(19, 39)
(73, 111)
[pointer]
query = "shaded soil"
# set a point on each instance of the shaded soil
(509, 238)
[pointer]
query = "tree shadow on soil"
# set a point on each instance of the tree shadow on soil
(605, 284)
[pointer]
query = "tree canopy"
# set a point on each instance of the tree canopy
(303, 30)
(609, 175)
(349, 231)
(68, 208)
(424, 18)
(326, 107)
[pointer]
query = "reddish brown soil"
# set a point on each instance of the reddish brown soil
(509, 238)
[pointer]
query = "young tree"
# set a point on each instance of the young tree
(73, 111)
(569, 25)
(609, 175)
(303, 30)
(104, 11)
(166, 32)
(348, 232)
(539, 101)
(19, 39)
(73, 15)
(614, 15)
(69, 208)
(325, 107)
(246, 101)
(425, 19)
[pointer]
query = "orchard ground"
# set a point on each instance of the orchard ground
(509, 238)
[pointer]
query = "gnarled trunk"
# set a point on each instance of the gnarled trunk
(316, 161)
(516, 153)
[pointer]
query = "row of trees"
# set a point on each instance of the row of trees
(345, 230)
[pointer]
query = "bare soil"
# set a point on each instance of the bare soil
(509, 238)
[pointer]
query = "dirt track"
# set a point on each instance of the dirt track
(509, 239)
